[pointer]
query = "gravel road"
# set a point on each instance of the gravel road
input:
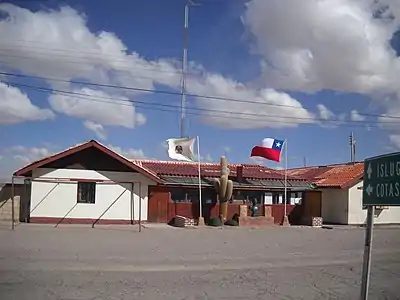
(80, 263)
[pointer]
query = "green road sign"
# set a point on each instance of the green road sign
(382, 180)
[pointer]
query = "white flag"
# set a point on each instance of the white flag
(181, 149)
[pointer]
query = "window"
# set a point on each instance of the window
(275, 198)
(248, 196)
(86, 192)
(178, 195)
(192, 195)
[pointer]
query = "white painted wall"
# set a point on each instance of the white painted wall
(63, 196)
(357, 215)
(334, 206)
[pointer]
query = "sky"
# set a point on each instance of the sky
(311, 73)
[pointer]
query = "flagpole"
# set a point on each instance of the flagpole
(198, 158)
(286, 169)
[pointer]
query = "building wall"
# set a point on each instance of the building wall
(52, 201)
(162, 209)
(357, 215)
(335, 206)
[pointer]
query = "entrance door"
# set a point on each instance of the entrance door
(313, 204)
(158, 204)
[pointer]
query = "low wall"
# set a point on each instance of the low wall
(191, 210)
(6, 210)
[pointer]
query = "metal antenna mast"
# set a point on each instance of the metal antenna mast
(352, 143)
(184, 67)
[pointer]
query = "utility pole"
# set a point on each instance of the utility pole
(184, 67)
(352, 143)
(305, 161)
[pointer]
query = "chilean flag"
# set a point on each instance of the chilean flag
(270, 149)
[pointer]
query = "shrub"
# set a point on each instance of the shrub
(215, 222)
(236, 218)
(232, 223)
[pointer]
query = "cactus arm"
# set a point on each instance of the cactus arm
(216, 184)
(222, 186)
(229, 190)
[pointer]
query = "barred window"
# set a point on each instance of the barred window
(86, 192)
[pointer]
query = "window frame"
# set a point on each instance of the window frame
(90, 192)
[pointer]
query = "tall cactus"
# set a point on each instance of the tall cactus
(224, 188)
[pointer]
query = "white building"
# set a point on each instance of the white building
(87, 183)
(340, 187)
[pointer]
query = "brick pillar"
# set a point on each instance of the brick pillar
(243, 211)
(267, 211)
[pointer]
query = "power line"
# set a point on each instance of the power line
(152, 78)
(216, 113)
(98, 54)
(177, 93)
(84, 61)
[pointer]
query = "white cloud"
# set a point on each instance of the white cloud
(14, 157)
(395, 140)
(164, 145)
(325, 113)
(98, 129)
(227, 149)
(327, 118)
(257, 160)
(277, 167)
(24, 155)
(355, 116)
(71, 51)
(208, 158)
(270, 108)
(335, 45)
(106, 112)
(15, 107)
(129, 153)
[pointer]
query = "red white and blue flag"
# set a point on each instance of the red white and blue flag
(269, 149)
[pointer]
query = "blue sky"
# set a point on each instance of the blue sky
(236, 51)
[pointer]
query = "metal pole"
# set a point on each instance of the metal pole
(140, 207)
(286, 168)
(367, 254)
(200, 200)
(184, 66)
(352, 143)
(12, 203)
(132, 204)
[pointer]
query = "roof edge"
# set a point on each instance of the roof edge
(80, 147)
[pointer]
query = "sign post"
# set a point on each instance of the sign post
(381, 187)
(366, 271)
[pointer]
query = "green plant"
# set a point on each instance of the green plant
(216, 222)
(224, 188)
(232, 223)
(236, 218)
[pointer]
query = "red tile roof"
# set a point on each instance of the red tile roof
(337, 176)
(177, 168)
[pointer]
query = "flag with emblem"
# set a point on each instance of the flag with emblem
(270, 149)
(181, 148)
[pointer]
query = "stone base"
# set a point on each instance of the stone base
(313, 221)
(200, 222)
(180, 221)
(256, 221)
(285, 221)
